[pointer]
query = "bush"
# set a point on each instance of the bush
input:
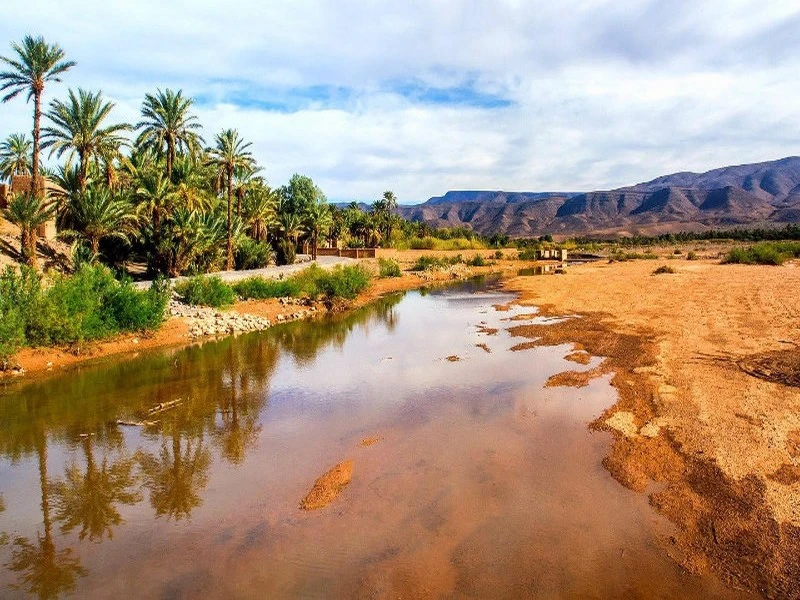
(427, 262)
(253, 255)
(527, 254)
(663, 270)
(343, 282)
(767, 253)
(477, 261)
(691, 255)
(89, 305)
(388, 268)
(261, 288)
(205, 291)
(498, 254)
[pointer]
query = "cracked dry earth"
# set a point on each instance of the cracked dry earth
(705, 365)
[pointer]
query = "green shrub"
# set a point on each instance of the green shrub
(426, 243)
(477, 261)
(134, 310)
(205, 291)
(498, 254)
(663, 270)
(260, 288)
(343, 282)
(89, 305)
(388, 268)
(252, 254)
(767, 253)
(691, 255)
(427, 262)
(527, 254)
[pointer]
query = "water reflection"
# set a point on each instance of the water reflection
(223, 387)
(88, 498)
(44, 571)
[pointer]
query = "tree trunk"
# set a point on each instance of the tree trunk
(82, 173)
(32, 248)
(37, 118)
(170, 157)
(95, 243)
(229, 264)
(314, 246)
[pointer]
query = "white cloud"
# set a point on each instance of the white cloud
(599, 93)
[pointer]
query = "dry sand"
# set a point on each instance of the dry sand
(703, 363)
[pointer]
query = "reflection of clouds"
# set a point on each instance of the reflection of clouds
(434, 326)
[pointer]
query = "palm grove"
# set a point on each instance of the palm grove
(156, 191)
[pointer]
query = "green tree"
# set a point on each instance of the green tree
(259, 212)
(28, 212)
(154, 196)
(36, 64)
(299, 193)
(229, 154)
(168, 126)
(98, 213)
(78, 130)
(389, 207)
(15, 156)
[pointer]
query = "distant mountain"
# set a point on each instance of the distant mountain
(744, 195)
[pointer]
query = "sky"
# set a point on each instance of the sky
(422, 97)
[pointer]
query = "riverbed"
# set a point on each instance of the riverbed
(470, 477)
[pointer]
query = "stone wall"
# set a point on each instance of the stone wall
(347, 252)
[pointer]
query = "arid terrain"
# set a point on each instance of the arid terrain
(709, 409)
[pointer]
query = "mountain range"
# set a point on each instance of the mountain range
(760, 194)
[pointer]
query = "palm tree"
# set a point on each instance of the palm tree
(290, 225)
(168, 126)
(154, 197)
(229, 154)
(36, 64)
(317, 218)
(77, 129)
(259, 211)
(28, 211)
(389, 206)
(15, 156)
(97, 214)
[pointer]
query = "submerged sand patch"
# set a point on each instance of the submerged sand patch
(328, 486)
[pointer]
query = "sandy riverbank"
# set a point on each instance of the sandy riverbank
(722, 445)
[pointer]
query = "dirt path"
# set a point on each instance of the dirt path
(704, 405)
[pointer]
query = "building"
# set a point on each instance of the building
(21, 184)
(552, 254)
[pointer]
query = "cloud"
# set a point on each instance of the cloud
(422, 97)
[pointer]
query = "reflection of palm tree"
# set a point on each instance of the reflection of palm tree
(89, 499)
(44, 571)
(176, 476)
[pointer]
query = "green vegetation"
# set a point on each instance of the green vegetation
(340, 282)
(90, 305)
(477, 261)
(767, 253)
(664, 270)
(388, 268)
(261, 288)
(205, 290)
(691, 255)
(620, 255)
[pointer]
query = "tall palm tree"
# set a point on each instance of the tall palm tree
(389, 206)
(36, 64)
(15, 156)
(28, 211)
(168, 126)
(317, 220)
(77, 129)
(229, 154)
(96, 214)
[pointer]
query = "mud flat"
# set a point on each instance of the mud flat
(705, 364)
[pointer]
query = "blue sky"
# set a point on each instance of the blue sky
(423, 97)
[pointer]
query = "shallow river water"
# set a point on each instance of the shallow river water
(482, 483)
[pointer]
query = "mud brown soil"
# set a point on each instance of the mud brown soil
(724, 444)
